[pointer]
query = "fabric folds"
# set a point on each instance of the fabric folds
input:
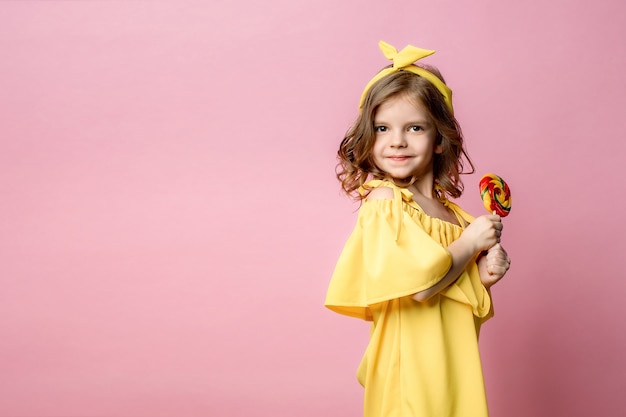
(397, 250)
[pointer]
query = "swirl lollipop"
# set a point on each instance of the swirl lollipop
(496, 195)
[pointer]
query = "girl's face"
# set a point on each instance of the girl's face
(405, 138)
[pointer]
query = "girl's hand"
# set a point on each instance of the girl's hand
(484, 232)
(493, 265)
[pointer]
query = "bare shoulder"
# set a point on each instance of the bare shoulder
(381, 193)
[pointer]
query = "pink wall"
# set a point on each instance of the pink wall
(170, 217)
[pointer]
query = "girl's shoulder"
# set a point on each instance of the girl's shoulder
(384, 190)
(380, 193)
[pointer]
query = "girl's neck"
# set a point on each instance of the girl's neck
(425, 197)
(424, 187)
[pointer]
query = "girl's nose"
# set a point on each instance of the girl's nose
(398, 140)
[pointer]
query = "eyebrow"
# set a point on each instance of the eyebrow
(414, 122)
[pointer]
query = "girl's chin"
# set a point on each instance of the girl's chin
(402, 180)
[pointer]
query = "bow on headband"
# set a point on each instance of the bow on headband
(403, 61)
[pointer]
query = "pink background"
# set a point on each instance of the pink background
(169, 217)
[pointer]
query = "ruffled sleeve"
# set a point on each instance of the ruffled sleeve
(387, 256)
(468, 289)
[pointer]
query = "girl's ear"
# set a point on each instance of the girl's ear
(439, 145)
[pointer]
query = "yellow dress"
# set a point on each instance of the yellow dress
(422, 358)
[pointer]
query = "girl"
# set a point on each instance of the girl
(416, 264)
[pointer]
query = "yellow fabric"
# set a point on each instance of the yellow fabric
(422, 358)
(403, 61)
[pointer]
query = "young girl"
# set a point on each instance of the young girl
(416, 264)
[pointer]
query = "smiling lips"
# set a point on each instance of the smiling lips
(398, 158)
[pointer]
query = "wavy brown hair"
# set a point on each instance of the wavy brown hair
(356, 163)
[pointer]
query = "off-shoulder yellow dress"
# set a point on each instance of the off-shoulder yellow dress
(422, 358)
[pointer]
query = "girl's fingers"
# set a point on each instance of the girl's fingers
(498, 266)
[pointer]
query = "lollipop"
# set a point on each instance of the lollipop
(495, 194)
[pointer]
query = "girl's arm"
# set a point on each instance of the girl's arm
(482, 234)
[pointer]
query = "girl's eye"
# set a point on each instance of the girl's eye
(380, 128)
(415, 128)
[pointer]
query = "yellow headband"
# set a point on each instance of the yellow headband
(403, 61)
